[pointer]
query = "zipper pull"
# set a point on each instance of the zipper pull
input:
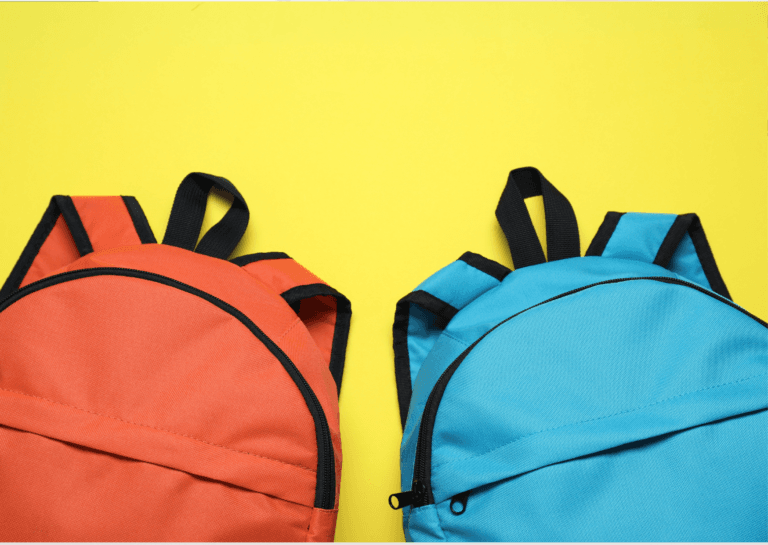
(459, 503)
(403, 499)
(413, 497)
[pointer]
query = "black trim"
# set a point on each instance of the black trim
(515, 221)
(295, 295)
(436, 306)
(28, 255)
(422, 477)
(75, 224)
(604, 234)
(325, 492)
(691, 224)
(251, 258)
(488, 266)
(140, 223)
(428, 302)
(59, 205)
(188, 213)
(672, 240)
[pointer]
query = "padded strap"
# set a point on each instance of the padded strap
(188, 213)
(515, 221)
(677, 243)
(421, 316)
(72, 227)
(325, 312)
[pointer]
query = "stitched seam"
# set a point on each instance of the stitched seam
(600, 418)
(462, 343)
(296, 322)
(439, 521)
(156, 428)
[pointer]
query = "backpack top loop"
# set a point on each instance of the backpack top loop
(189, 210)
(515, 221)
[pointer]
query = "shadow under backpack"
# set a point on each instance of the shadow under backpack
(619, 396)
(160, 392)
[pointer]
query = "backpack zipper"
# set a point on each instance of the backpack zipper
(422, 476)
(325, 491)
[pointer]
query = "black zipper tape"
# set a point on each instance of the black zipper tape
(422, 471)
(325, 491)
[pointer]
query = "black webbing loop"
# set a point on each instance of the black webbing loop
(515, 221)
(189, 210)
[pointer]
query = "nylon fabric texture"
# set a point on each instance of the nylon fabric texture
(600, 398)
(152, 393)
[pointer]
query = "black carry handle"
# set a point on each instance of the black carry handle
(189, 210)
(515, 221)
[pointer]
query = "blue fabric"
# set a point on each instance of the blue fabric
(639, 236)
(458, 284)
(633, 410)
(685, 262)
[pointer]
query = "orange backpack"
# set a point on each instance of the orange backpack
(160, 392)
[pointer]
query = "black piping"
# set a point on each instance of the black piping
(59, 205)
(251, 258)
(488, 266)
(325, 492)
(295, 295)
(422, 478)
(140, 223)
(75, 224)
(31, 250)
(604, 234)
(691, 224)
(429, 302)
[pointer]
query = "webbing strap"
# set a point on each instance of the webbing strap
(515, 221)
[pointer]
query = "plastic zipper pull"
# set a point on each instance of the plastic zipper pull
(459, 503)
(403, 499)
(413, 497)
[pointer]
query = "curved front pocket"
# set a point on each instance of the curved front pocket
(144, 367)
(578, 439)
(670, 487)
(582, 373)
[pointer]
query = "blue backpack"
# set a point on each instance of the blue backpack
(619, 396)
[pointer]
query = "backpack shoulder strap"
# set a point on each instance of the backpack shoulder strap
(72, 227)
(422, 315)
(677, 243)
(325, 312)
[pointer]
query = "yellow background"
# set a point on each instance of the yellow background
(372, 141)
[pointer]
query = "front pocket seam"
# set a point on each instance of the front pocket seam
(599, 418)
(157, 429)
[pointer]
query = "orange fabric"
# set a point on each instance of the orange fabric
(131, 410)
(107, 222)
(281, 274)
(105, 219)
(319, 317)
(322, 524)
(56, 491)
(57, 251)
(317, 313)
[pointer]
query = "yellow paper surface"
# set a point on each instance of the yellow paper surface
(372, 142)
